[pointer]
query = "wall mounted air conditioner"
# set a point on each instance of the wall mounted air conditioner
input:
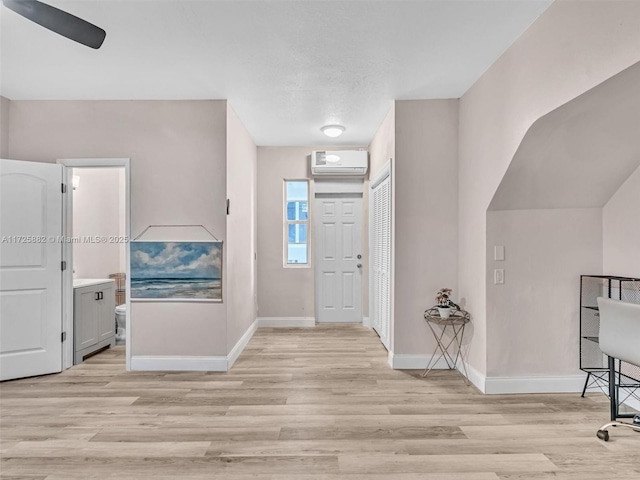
(340, 163)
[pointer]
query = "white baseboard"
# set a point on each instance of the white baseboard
(419, 362)
(366, 322)
(477, 378)
(339, 322)
(241, 344)
(176, 363)
(538, 384)
(404, 361)
(286, 322)
(206, 364)
(494, 385)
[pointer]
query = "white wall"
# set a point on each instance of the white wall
(4, 127)
(535, 315)
(426, 209)
(571, 48)
(97, 212)
(241, 245)
(621, 230)
(178, 176)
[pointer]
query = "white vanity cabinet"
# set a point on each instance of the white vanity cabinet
(94, 306)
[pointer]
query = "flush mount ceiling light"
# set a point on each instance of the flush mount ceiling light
(333, 130)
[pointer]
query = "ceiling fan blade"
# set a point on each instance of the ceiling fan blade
(58, 21)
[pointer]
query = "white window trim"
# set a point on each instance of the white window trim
(285, 224)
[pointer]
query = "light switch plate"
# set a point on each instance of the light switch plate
(498, 276)
(498, 253)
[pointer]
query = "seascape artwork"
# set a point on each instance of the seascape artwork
(176, 270)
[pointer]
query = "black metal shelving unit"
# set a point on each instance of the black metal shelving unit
(592, 360)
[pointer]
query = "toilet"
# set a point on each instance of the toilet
(121, 324)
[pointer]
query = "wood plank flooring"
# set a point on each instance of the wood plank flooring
(299, 404)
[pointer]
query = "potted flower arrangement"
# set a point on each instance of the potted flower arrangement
(444, 302)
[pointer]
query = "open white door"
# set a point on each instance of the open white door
(30, 269)
(338, 257)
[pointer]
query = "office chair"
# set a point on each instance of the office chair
(619, 338)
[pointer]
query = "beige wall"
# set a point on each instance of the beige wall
(535, 315)
(621, 230)
(241, 229)
(426, 209)
(571, 48)
(4, 127)
(578, 155)
(178, 176)
(282, 291)
(570, 162)
(96, 212)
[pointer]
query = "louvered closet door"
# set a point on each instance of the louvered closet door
(375, 261)
(381, 260)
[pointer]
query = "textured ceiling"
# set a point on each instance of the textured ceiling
(287, 67)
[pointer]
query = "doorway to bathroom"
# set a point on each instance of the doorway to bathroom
(96, 225)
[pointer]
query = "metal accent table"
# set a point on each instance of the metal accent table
(456, 323)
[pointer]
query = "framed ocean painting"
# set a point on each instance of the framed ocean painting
(176, 271)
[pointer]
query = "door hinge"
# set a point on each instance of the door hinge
(63, 265)
(228, 206)
(63, 337)
(64, 187)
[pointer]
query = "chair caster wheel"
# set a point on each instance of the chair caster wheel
(603, 435)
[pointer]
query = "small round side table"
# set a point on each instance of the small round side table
(455, 323)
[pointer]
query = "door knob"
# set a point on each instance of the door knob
(359, 256)
(359, 265)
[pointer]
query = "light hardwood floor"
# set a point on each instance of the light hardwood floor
(299, 404)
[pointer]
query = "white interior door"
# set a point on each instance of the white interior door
(380, 258)
(338, 257)
(30, 269)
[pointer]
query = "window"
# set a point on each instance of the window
(296, 222)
